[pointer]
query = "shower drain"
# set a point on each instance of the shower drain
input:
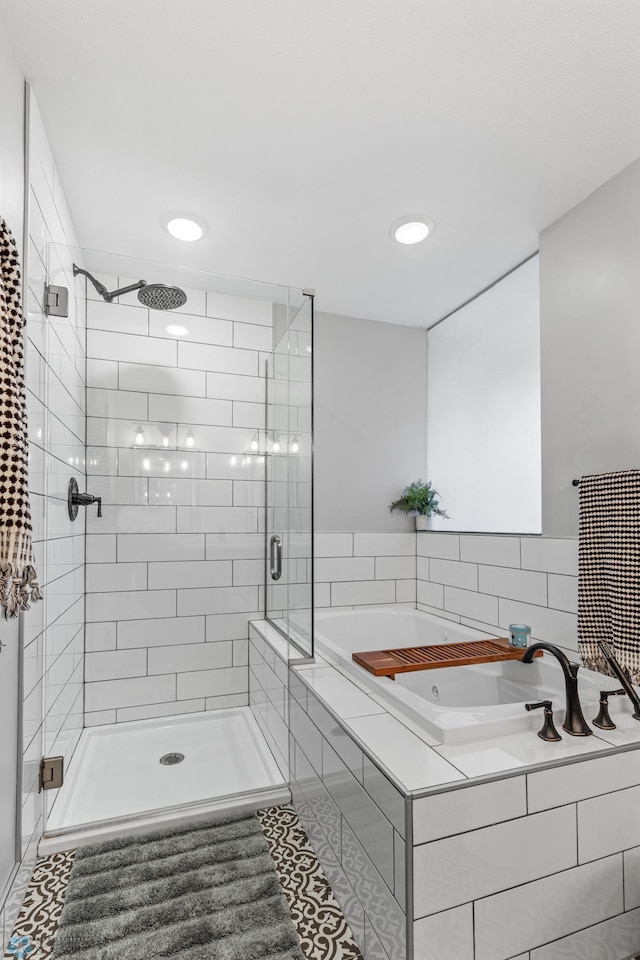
(170, 758)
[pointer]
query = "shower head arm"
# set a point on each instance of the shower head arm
(102, 290)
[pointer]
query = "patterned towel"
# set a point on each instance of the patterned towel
(609, 569)
(17, 571)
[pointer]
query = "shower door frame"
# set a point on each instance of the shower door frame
(301, 655)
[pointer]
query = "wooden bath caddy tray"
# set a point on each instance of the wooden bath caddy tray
(386, 663)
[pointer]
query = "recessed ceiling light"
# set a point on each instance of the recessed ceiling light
(175, 330)
(184, 228)
(410, 230)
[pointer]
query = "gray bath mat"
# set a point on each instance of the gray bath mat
(207, 891)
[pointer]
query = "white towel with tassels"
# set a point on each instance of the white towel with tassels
(18, 582)
(609, 569)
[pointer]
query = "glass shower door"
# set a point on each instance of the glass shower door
(289, 481)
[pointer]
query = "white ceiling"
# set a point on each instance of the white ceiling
(301, 129)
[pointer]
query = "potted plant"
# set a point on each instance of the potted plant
(421, 500)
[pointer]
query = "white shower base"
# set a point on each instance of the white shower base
(116, 785)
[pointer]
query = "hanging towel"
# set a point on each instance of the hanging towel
(17, 571)
(609, 569)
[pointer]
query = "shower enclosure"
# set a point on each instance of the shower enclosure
(191, 424)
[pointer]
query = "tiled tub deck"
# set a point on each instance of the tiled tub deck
(509, 849)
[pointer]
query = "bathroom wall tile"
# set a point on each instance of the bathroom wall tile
(102, 373)
(333, 545)
(307, 735)
(101, 461)
(551, 625)
(497, 551)
(550, 555)
(348, 751)
(385, 795)
(249, 415)
(248, 572)
(189, 410)
(152, 711)
(445, 936)
(384, 544)
(363, 592)
(563, 592)
(249, 336)
(602, 775)
(117, 318)
(445, 546)
(429, 593)
(466, 603)
(619, 811)
(395, 568)
(144, 350)
(631, 860)
(187, 657)
(107, 694)
(227, 700)
(160, 379)
(100, 548)
(248, 493)
(369, 825)
(196, 356)
(100, 636)
(160, 632)
(183, 546)
(344, 568)
(212, 683)
(219, 519)
(116, 665)
(514, 584)
(608, 940)
(132, 519)
(200, 329)
(239, 309)
(216, 600)
(107, 577)
(459, 811)
(226, 546)
(454, 573)
(131, 606)
(194, 493)
(406, 591)
(229, 386)
(189, 574)
(510, 853)
(229, 626)
(545, 910)
(99, 718)
(383, 911)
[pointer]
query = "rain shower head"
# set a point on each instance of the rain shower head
(157, 296)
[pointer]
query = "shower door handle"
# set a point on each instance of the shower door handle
(275, 557)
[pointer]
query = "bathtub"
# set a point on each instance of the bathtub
(455, 704)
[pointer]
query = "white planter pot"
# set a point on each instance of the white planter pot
(423, 523)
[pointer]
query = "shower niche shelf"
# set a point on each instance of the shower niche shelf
(387, 663)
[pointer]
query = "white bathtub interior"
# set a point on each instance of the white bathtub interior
(116, 772)
(458, 705)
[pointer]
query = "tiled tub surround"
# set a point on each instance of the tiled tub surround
(176, 564)
(510, 848)
(363, 568)
(489, 582)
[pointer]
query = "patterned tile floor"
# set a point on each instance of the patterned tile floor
(322, 929)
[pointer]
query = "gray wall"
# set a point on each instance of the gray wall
(590, 344)
(11, 209)
(369, 419)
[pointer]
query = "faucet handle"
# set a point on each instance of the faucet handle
(548, 732)
(603, 720)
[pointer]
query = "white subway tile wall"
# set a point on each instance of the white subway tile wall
(175, 562)
(492, 581)
(361, 569)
